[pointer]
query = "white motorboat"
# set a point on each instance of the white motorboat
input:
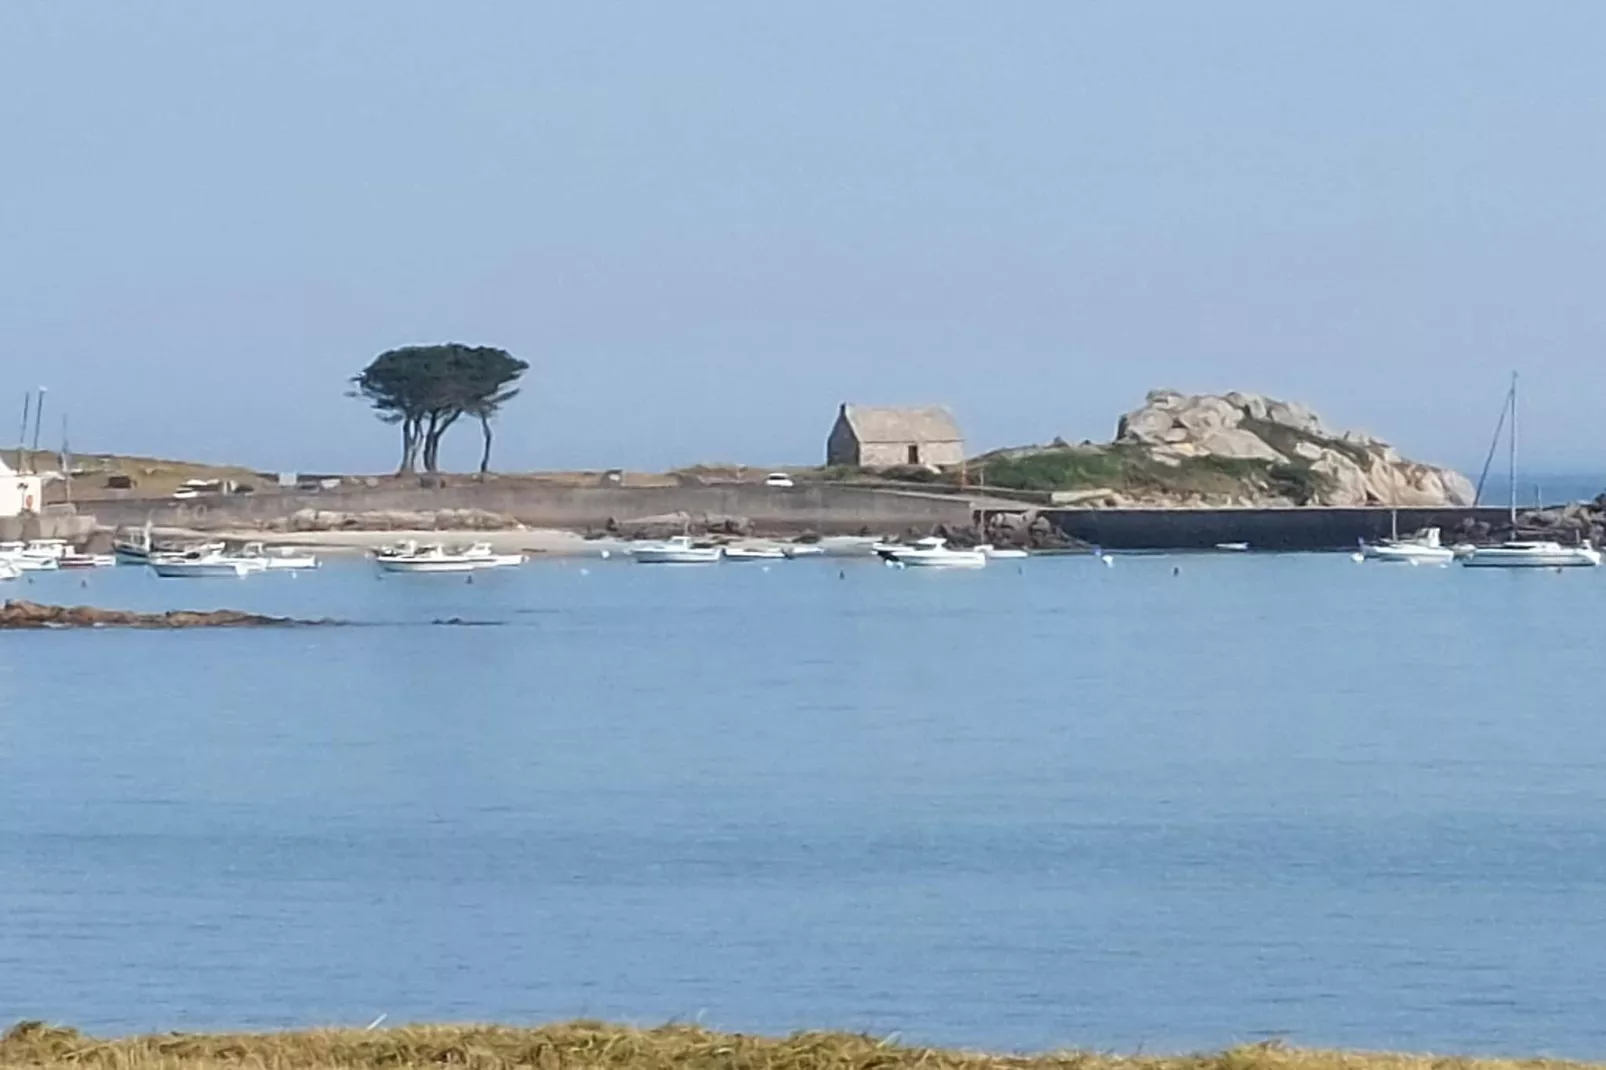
(201, 564)
(8, 571)
(755, 553)
(934, 552)
(16, 554)
(1422, 548)
(1233, 547)
(995, 553)
(679, 550)
(280, 558)
(1536, 554)
(56, 548)
(487, 557)
(77, 560)
(803, 549)
(412, 558)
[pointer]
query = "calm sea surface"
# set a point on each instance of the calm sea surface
(1059, 804)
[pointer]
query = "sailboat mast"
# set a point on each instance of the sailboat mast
(1512, 463)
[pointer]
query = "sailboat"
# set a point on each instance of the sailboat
(1539, 553)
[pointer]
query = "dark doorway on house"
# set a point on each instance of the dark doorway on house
(914, 454)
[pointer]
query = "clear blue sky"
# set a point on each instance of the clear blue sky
(705, 224)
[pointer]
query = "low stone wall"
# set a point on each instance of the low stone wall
(825, 509)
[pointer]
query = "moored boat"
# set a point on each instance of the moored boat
(933, 552)
(1005, 553)
(485, 556)
(281, 558)
(1532, 554)
(203, 564)
(17, 556)
(410, 557)
(679, 550)
(81, 561)
(1520, 553)
(755, 553)
(1423, 548)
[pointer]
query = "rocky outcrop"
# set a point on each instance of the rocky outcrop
(1577, 522)
(29, 615)
(1339, 468)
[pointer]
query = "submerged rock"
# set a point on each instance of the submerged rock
(17, 614)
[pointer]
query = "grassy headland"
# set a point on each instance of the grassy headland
(607, 1047)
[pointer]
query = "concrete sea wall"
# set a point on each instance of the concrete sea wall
(822, 508)
(1263, 529)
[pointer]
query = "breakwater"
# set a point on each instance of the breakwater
(1305, 528)
(827, 509)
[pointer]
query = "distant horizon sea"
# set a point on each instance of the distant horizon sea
(1548, 488)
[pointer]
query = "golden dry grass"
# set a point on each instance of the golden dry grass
(587, 1045)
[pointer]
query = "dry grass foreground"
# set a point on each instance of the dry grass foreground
(584, 1045)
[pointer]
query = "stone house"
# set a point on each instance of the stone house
(872, 437)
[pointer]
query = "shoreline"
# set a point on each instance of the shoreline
(539, 542)
(592, 1044)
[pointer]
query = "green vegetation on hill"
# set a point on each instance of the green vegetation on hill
(596, 1046)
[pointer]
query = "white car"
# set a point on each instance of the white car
(778, 479)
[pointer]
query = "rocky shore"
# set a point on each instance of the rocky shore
(1574, 523)
(21, 615)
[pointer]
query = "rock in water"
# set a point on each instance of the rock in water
(1347, 467)
(18, 614)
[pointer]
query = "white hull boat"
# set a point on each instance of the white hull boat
(1532, 555)
(88, 561)
(424, 563)
(409, 558)
(8, 571)
(1538, 553)
(935, 553)
(23, 562)
(995, 553)
(485, 557)
(803, 550)
(204, 566)
(1422, 549)
(290, 562)
(754, 553)
(281, 559)
(679, 550)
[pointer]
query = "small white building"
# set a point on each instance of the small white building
(20, 495)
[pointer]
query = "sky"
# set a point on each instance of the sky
(705, 225)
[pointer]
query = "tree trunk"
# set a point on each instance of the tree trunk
(409, 457)
(431, 439)
(485, 456)
(438, 425)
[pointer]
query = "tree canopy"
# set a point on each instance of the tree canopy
(426, 389)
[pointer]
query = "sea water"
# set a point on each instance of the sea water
(1169, 803)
